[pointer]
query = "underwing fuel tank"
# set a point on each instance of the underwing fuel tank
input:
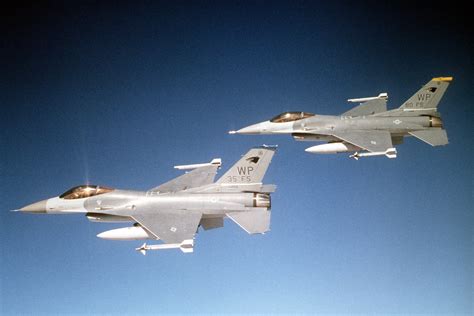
(126, 233)
(340, 147)
(332, 148)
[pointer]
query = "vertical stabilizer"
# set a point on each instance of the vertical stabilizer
(251, 168)
(428, 97)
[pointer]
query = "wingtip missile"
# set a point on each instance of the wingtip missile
(215, 161)
(270, 146)
(383, 95)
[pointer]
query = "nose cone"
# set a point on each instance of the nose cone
(259, 128)
(38, 207)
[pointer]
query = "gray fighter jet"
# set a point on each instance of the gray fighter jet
(368, 129)
(173, 211)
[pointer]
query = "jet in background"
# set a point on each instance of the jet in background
(173, 211)
(368, 129)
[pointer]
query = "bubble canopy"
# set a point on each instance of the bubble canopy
(84, 191)
(290, 117)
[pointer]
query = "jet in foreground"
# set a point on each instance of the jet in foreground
(173, 211)
(368, 129)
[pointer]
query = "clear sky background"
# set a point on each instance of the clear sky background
(116, 94)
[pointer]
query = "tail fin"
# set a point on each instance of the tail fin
(428, 97)
(251, 168)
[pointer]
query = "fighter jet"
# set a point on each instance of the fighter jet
(174, 211)
(367, 129)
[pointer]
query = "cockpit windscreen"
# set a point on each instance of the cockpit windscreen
(84, 191)
(290, 117)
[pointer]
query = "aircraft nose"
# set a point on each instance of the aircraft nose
(259, 128)
(38, 207)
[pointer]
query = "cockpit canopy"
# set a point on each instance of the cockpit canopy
(290, 117)
(84, 191)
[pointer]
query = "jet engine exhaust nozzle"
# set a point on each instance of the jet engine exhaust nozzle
(436, 122)
(262, 200)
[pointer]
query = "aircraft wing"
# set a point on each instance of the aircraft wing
(196, 178)
(369, 107)
(171, 226)
(373, 141)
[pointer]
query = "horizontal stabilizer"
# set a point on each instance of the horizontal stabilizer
(434, 137)
(253, 222)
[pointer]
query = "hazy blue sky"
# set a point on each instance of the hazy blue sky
(116, 94)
